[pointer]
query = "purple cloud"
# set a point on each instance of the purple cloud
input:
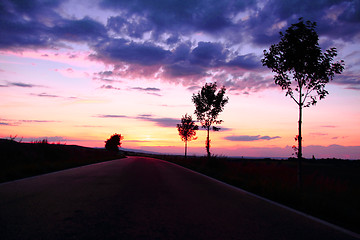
(147, 39)
(121, 50)
(158, 121)
(148, 89)
(110, 87)
(161, 122)
(23, 85)
(247, 138)
(45, 95)
(111, 116)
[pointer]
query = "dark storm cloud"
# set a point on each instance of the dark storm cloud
(178, 15)
(36, 24)
(83, 30)
(208, 54)
(337, 19)
(156, 38)
(121, 50)
(39, 23)
(135, 28)
(248, 61)
(246, 138)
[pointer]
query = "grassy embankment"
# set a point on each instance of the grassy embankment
(20, 160)
(330, 186)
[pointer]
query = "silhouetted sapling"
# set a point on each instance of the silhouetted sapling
(298, 57)
(208, 106)
(114, 142)
(187, 130)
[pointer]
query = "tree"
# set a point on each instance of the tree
(187, 130)
(114, 142)
(208, 105)
(298, 57)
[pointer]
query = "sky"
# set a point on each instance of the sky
(78, 71)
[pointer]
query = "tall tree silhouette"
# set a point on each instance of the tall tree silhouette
(187, 130)
(208, 105)
(298, 57)
(114, 142)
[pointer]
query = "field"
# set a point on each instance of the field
(330, 188)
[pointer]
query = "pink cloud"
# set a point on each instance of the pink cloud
(71, 73)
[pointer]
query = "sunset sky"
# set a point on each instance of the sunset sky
(78, 71)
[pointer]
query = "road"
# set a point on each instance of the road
(144, 198)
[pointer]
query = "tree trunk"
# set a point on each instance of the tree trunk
(300, 146)
(185, 149)
(208, 143)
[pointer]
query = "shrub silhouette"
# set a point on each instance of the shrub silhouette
(114, 142)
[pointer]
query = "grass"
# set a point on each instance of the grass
(20, 160)
(330, 186)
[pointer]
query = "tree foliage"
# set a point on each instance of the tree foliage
(208, 105)
(298, 57)
(187, 130)
(114, 142)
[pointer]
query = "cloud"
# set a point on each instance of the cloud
(177, 16)
(110, 87)
(319, 134)
(349, 79)
(21, 84)
(158, 121)
(161, 122)
(121, 50)
(219, 127)
(111, 116)
(45, 95)
(82, 30)
(247, 138)
(13, 122)
(38, 121)
(183, 42)
(149, 90)
(89, 126)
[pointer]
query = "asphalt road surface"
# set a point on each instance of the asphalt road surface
(144, 198)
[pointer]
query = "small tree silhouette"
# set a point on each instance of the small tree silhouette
(208, 106)
(187, 130)
(298, 56)
(114, 142)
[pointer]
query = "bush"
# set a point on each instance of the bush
(114, 142)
